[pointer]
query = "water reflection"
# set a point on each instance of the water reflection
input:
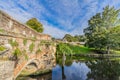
(77, 71)
(104, 70)
(75, 68)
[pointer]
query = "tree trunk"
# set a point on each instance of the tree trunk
(63, 59)
(63, 74)
(108, 50)
(63, 63)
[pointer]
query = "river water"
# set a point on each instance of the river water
(82, 68)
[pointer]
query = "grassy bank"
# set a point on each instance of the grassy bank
(73, 49)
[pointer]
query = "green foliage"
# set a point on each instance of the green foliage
(25, 42)
(69, 38)
(103, 69)
(44, 42)
(76, 38)
(17, 52)
(63, 49)
(2, 30)
(38, 51)
(24, 54)
(80, 38)
(34, 37)
(80, 49)
(2, 48)
(72, 49)
(98, 32)
(13, 43)
(31, 47)
(53, 38)
(115, 37)
(35, 24)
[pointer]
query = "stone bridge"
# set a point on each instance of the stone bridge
(24, 46)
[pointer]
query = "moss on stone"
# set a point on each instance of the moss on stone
(40, 72)
(17, 52)
(25, 42)
(2, 48)
(2, 30)
(38, 51)
(31, 47)
(13, 43)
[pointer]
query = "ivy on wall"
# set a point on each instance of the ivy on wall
(25, 42)
(31, 47)
(13, 43)
(17, 52)
(2, 48)
(2, 30)
(24, 52)
(38, 51)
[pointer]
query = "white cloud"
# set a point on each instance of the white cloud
(14, 11)
(80, 71)
(71, 16)
(52, 30)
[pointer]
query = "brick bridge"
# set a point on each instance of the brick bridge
(25, 46)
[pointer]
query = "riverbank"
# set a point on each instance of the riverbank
(81, 50)
(73, 49)
(96, 55)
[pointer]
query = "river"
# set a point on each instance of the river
(81, 68)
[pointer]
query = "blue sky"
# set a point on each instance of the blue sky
(59, 17)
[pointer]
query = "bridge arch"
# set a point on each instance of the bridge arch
(22, 66)
(35, 62)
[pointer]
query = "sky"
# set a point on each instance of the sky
(59, 17)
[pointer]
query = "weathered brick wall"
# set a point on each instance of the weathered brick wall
(12, 26)
(26, 43)
(11, 31)
(6, 70)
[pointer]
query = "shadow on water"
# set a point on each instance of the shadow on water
(82, 68)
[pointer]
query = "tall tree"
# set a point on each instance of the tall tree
(114, 36)
(35, 24)
(99, 28)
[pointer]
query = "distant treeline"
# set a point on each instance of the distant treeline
(76, 38)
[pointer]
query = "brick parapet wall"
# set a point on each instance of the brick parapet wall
(11, 26)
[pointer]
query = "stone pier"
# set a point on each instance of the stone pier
(6, 70)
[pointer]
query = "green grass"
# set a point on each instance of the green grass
(80, 49)
(73, 49)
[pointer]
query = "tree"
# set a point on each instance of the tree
(63, 48)
(98, 32)
(76, 38)
(80, 38)
(68, 38)
(35, 24)
(115, 37)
